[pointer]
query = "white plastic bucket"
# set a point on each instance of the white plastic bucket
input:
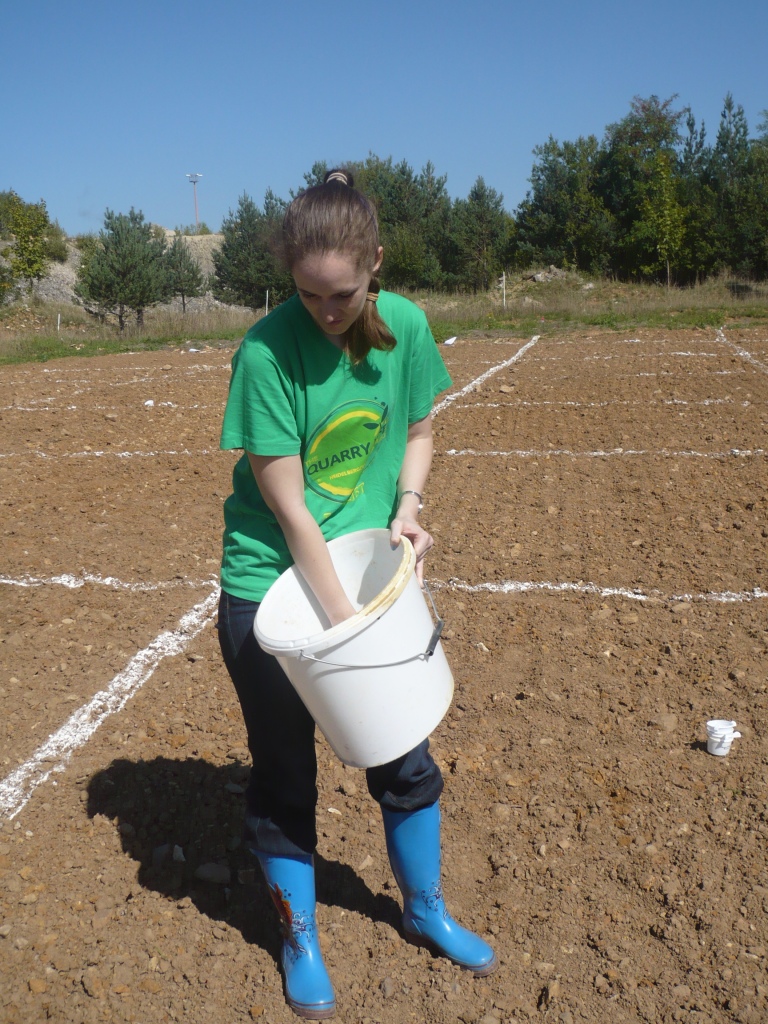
(378, 683)
(721, 733)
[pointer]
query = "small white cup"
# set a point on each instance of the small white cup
(720, 734)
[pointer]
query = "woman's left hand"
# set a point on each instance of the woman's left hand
(417, 535)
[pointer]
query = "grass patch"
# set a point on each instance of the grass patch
(563, 305)
(568, 304)
(39, 332)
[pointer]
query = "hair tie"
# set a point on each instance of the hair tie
(372, 296)
(337, 176)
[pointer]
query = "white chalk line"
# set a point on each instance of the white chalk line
(484, 376)
(156, 382)
(521, 587)
(670, 373)
(747, 356)
(54, 755)
(609, 341)
(150, 373)
(603, 343)
(662, 452)
(64, 372)
(75, 582)
(677, 374)
(82, 385)
(637, 341)
(526, 404)
(111, 454)
(37, 408)
(605, 356)
(92, 384)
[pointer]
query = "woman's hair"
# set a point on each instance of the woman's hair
(336, 218)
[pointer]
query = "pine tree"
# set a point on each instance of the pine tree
(480, 233)
(414, 212)
(185, 278)
(563, 220)
(127, 271)
(245, 267)
(406, 255)
(730, 173)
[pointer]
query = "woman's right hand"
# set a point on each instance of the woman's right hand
(280, 480)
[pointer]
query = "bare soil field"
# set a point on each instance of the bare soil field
(600, 509)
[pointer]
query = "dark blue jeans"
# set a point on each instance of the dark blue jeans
(282, 791)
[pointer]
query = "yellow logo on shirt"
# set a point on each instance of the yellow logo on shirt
(342, 446)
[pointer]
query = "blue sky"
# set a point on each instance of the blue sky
(109, 105)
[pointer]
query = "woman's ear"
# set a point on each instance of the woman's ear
(379, 258)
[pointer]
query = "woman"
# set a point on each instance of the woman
(330, 400)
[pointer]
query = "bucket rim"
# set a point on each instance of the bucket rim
(717, 725)
(374, 609)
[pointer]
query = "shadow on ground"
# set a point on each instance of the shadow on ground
(196, 809)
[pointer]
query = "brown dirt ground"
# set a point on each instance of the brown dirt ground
(600, 513)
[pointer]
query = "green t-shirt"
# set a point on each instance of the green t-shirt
(292, 392)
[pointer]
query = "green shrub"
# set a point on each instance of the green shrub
(56, 243)
(194, 229)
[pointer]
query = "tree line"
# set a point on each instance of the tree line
(429, 240)
(653, 200)
(123, 270)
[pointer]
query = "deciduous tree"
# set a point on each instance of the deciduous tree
(29, 225)
(662, 221)
(627, 165)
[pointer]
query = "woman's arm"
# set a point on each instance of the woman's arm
(413, 477)
(280, 480)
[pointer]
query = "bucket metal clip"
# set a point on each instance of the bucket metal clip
(432, 645)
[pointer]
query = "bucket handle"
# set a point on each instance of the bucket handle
(426, 655)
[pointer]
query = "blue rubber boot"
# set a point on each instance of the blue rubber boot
(291, 882)
(413, 844)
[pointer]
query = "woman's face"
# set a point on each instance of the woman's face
(333, 290)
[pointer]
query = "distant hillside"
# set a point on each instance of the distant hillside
(59, 283)
(202, 247)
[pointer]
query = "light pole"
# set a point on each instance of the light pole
(194, 178)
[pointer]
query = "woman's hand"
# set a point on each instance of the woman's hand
(281, 482)
(422, 541)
